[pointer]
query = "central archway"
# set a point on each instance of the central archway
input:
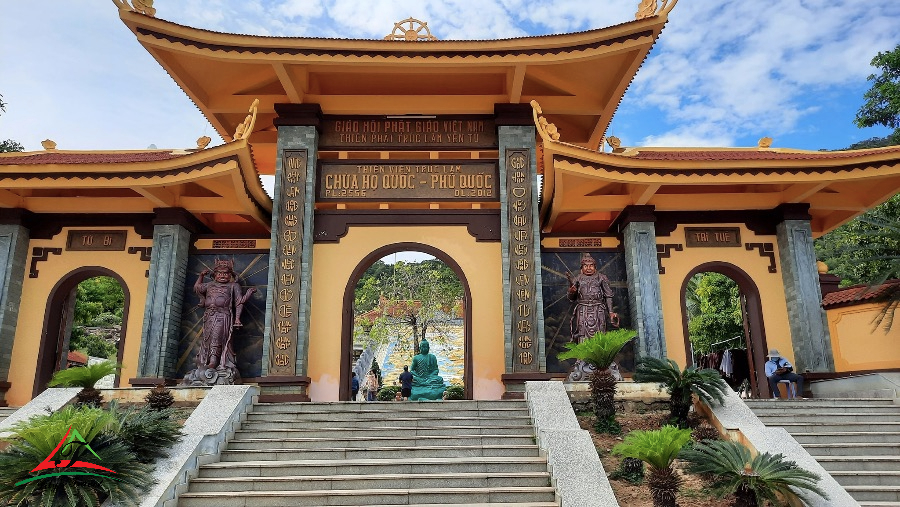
(347, 312)
(753, 316)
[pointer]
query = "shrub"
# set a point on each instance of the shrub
(630, 470)
(92, 344)
(159, 398)
(387, 393)
(455, 392)
(147, 432)
(37, 439)
(658, 448)
(85, 377)
(706, 383)
(106, 319)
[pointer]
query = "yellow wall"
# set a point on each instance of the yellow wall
(857, 343)
(770, 285)
(35, 298)
(333, 263)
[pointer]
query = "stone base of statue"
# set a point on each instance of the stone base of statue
(582, 371)
(432, 391)
(220, 376)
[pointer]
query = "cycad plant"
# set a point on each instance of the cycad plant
(69, 484)
(706, 383)
(85, 377)
(600, 350)
(752, 480)
(657, 448)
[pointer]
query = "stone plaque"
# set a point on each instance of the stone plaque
(377, 181)
(96, 240)
(408, 133)
(286, 289)
(580, 243)
(234, 243)
(522, 269)
(712, 236)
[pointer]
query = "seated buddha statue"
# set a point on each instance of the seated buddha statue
(426, 383)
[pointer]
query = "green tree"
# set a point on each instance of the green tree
(8, 145)
(657, 448)
(752, 480)
(98, 295)
(715, 300)
(882, 106)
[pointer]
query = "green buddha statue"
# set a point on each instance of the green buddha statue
(426, 383)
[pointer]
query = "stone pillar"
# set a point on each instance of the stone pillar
(172, 230)
(523, 315)
(286, 342)
(809, 326)
(14, 239)
(637, 226)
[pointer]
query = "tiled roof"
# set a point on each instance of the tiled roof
(858, 294)
(751, 154)
(76, 357)
(88, 157)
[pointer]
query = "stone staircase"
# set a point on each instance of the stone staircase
(384, 453)
(856, 440)
(6, 412)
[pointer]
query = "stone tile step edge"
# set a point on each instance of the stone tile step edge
(386, 461)
(368, 492)
(285, 478)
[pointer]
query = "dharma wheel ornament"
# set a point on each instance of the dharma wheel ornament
(415, 31)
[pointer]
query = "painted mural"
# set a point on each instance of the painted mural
(556, 268)
(253, 271)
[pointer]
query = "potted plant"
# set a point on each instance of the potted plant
(600, 350)
(706, 383)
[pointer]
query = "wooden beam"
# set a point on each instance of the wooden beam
(518, 80)
(89, 204)
(9, 199)
(160, 197)
(293, 93)
(798, 192)
(641, 194)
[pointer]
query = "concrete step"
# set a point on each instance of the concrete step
(773, 419)
(316, 467)
(874, 493)
(389, 406)
(861, 449)
(846, 437)
(380, 415)
(464, 496)
(394, 423)
(821, 402)
(367, 442)
(879, 504)
(831, 427)
(861, 478)
(412, 453)
(372, 431)
(831, 409)
(384, 481)
(862, 463)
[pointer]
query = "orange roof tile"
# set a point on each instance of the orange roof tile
(858, 294)
(88, 158)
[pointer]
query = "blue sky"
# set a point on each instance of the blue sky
(724, 72)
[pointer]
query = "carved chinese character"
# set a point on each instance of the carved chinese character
(520, 220)
(287, 279)
(287, 263)
(525, 342)
(282, 360)
(286, 294)
(290, 235)
(284, 326)
(522, 280)
(525, 357)
(521, 235)
(282, 342)
(293, 176)
(521, 249)
(518, 177)
(285, 311)
(290, 220)
(524, 310)
(289, 250)
(291, 205)
(292, 192)
(523, 294)
(107, 240)
(519, 205)
(524, 326)
(87, 240)
(522, 264)
(517, 161)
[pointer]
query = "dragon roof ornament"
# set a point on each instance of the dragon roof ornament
(648, 8)
(139, 6)
(244, 130)
(547, 130)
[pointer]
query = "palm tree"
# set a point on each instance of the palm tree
(752, 481)
(600, 350)
(706, 383)
(657, 448)
(85, 377)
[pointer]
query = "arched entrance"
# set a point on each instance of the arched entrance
(754, 327)
(58, 318)
(347, 317)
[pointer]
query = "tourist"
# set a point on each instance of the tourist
(778, 369)
(354, 386)
(371, 385)
(398, 396)
(406, 379)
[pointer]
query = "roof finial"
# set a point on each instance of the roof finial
(244, 130)
(48, 144)
(412, 33)
(139, 6)
(765, 142)
(547, 130)
(648, 8)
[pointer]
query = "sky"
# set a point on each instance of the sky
(723, 72)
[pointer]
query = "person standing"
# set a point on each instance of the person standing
(354, 386)
(406, 379)
(778, 369)
(371, 386)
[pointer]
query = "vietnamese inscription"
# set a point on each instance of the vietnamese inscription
(448, 181)
(408, 132)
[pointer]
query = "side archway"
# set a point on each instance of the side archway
(58, 323)
(347, 313)
(753, 317)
